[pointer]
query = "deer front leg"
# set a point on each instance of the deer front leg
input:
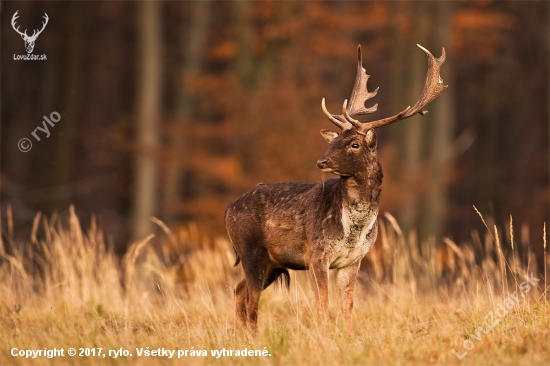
(346, 278)
(318, 272)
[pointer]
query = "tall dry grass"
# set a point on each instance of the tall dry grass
(415, 302)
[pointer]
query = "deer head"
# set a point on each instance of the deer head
(29, 41)
(355, 147)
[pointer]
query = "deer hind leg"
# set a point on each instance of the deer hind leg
(346, 279)
(241, 298)
(256, 268)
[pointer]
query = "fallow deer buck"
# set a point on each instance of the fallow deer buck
(324, 225)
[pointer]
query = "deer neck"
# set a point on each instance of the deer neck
(361, 193)
(360, 200)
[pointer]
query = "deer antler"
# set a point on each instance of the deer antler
(35, 34)
(433, 87)
(13, 19)
(357, 101)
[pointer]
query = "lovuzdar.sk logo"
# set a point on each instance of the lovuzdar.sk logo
(29, 40)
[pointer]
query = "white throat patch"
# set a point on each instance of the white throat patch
(357, 225)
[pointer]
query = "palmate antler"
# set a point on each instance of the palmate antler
(433, 88)
(358, 98)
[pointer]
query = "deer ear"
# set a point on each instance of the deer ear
(329, 135)
(371, 139)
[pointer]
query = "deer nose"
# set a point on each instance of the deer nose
(321, 163)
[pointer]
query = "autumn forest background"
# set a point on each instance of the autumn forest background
(174, 109)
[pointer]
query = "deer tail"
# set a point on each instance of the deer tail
(285, 279)
(280, 274)
(238, 260)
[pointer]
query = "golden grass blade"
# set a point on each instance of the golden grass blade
(511, 232)
(484, 223)
(34, 229)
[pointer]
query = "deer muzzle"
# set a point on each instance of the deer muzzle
(322, 163)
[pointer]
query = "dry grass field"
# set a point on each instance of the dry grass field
(64, 289)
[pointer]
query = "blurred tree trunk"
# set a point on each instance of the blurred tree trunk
(245, 34)
(399, 78)
(413, 135)
(254, 71)
(195, 42)
(442, 126)
(147, 116)
(71, 101)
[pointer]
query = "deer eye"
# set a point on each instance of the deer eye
(355, 145)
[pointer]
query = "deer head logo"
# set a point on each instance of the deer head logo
(29, 41)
